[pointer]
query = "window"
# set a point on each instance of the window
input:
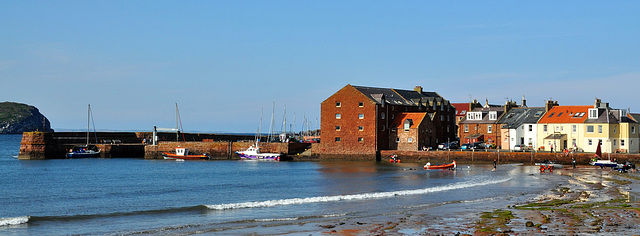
(544, 128)
(599, 129)
(489, 128)
(622, 142)
(493, 115)
(474, 116)
(530, 128)
(633, 129)
(337, 139)
(593, 113)
(574, 128)
(383, 127)
(393, 116)
(337, 128)
(361, 116)
(466, 128)
(589, 128)
(590, 142)
(338, 104)
(574, 142)
(441, 118)
(360, 128)
(337, 115)
(360, 139)
(551, 115)
(382, 115)
(447, 129)
(361, 104)
(615, 142)
(410, 140)
(397, 140)
(615, 129)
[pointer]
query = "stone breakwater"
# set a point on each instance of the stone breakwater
(49, 145)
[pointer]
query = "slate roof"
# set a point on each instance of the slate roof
(635, 117)
(398, 96)
(485, 115)
(566, 114)
(519, 116)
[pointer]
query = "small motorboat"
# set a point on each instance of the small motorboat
(451, 166)
(394, 159)
(183, 153)
(253, 153)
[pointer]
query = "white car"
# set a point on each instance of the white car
(522, 148)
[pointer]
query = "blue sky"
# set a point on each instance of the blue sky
(222, 61)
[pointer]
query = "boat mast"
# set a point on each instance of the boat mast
(272, 124)
(88, 120)
(258, 136)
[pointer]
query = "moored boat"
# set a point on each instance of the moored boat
(451, 165)
(253, 153)
(84, 151)
(183, 153)
(601, 163)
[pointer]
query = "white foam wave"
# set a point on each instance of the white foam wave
(278, 219)
(363, 196)
(14, 220)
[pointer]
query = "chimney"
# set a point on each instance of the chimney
(486, 102)
(550, 104)
(597, 103)
(524, 102)
(418, 89)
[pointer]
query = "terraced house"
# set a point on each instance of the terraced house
(482, 124)
(359, 120)
(581, 128)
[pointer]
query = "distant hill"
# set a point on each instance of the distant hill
(16, 118)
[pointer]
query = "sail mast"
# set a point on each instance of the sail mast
(88, 120)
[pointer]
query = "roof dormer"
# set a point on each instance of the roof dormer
(593, 113)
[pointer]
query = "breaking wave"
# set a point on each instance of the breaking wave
(363, 196)
(14, 220)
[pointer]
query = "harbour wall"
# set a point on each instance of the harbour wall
(54, 145)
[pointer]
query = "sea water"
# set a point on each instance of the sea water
(127, 196)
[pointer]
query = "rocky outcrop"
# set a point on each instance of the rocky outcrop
(16, 118)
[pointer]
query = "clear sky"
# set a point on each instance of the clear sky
(222, 61)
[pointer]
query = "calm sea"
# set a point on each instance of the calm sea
(159, 197)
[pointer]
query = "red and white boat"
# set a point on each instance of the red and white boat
(183, 153)
(428, 166)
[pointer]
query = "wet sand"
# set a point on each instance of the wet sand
(588, 201)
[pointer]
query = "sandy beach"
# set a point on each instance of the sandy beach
(588, 201)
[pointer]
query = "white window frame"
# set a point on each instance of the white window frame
(338, 116)
(489, 128)
(593, 113)
(338, 104)
(592, 129)
(493, 115)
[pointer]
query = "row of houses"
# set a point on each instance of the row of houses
(551, 128)
(359, 120)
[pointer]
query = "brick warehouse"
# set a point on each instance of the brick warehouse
(359, 120)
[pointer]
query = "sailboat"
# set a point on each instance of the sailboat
(182, 153)
(253, 152)
(86, 150)
(602, 163)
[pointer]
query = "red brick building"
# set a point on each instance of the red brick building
(359, 120)
(481, 123)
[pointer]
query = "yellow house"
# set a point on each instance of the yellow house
(613, 128)
(562, 127)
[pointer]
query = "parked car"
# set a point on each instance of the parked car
(450, 145)
(466, 146)
(478, 145)
(522, 148)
